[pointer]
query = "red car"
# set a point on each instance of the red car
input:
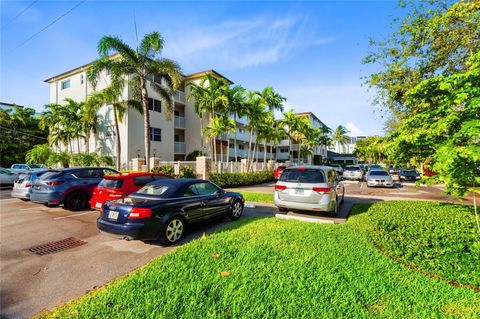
(278, 172)
(121, 185)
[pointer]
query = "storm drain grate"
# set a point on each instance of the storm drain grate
(56, 246)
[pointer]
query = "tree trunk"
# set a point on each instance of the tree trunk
(221, 154)
(249, 147)
(265, 154)
(118, 148)
(271, 150)
(87, 140)
(146, 122)
(235, 138)
(78, 144)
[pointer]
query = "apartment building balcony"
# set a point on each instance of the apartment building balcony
(179, 96)
(240, 153)
(282, 156)
(284, 143)
(179, 122)
(180, 147)
(240, 136)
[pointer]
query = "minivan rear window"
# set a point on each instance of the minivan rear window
(51, 175)
(111, 183)
(302, 176)
(352, 168)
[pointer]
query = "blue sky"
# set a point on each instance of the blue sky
(309, 51)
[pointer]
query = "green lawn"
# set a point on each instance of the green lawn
(257, 197)
(276, 268)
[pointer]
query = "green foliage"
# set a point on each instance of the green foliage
(433, 37)
(19, 133)
(275, 268)
(39, 154)
(437, 238)
(371, 149)
(59, 158)
(193, 155)
(164, 169)
(240, 179)
(90, 159)
(187, 172)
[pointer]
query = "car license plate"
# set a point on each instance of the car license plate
(298, 191)
(98, 205)
(113, 214)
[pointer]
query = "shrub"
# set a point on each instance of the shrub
(90, 159)
(164, 169)
(193, 155)
(240, 179)
(38, 154)
(186, 172)
(437, 238)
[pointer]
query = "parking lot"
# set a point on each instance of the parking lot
(31, 283)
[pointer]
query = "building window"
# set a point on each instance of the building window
(65, 84)
(241, 147)
(284, 150)
(154, 105)
(155, 134)
(81, 78)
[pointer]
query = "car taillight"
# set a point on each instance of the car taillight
(54, 183)
(137, 213)
(28, 185)
(280, 187)
(116, 193)
(321, 189)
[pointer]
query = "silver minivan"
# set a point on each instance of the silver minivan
(313, 188)
(22, 187)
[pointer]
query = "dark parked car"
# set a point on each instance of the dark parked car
(409, 174)
(72, 187)
(163, 209)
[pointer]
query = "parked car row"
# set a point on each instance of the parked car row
(139, 205)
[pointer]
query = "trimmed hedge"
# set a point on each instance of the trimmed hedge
(186, 172)
(164, 169)
(436, 238)
(241, 179)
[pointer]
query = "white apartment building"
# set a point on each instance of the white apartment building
(171, 139)
(346, 148)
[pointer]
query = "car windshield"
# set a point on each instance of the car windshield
(379, 173)
(111, 183)
(352, 168)
(409, 172)
(157, 190)
(302, 176)
(35, 166)
(51, 175)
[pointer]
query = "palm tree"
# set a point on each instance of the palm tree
(290, 120)
(111, 95)
(236, 106)
(278, 134)
(210, 96)
(138, 64)
(214, 129)
(255, 113)
(340, 136)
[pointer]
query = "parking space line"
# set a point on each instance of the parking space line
(75, 215)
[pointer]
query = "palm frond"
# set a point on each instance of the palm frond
(151, 44)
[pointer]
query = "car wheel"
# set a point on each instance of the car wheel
(237, 210)
(76, 201)
(173, 231)
(25, 199)
(282, 209)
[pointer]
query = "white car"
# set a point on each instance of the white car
(353, 172)
(22, 168)
(379, 177)
(313, 188)
(7, 177)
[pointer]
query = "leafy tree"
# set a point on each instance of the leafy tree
(434, 37)
(39, 153)
(236, 106)
(138, 65)
(19, 132)
(290, 122)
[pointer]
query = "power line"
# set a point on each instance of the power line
(13, 130)
(20, 13)
(48, 25)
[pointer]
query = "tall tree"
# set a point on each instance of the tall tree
(434, 37)
(111, 96)
(236, 106)
(138, 64)
(340, 136)
(290, 121)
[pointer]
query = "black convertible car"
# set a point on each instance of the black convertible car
(163, 209)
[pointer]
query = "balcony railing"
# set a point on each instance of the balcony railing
(179, 96)
(180, 147)
(179, 122)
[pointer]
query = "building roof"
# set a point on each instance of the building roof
(2, 104)
(202, 73)
(86, 66)
(331, 154)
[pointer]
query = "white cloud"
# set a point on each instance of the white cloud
(236, 44)
(353, 129)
